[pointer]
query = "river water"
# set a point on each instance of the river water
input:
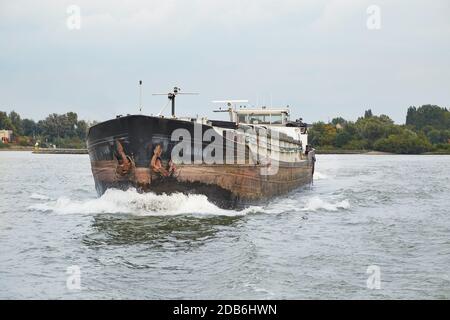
(371, 227)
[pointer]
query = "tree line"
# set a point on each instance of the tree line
(427, 129)
(62, 130)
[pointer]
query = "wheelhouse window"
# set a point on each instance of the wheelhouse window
(259, 119)
(276, 119)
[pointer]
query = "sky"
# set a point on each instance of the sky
(323, 58)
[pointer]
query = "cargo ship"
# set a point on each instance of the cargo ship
(255, 155)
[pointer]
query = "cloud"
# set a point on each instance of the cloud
(316, 55)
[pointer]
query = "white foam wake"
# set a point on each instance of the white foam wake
(132, 202)
(320, 176)
(37, 196)
(316, 203)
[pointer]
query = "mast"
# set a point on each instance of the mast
(140, 95)
(172, 95)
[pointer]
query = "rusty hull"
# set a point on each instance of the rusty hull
(121, 152)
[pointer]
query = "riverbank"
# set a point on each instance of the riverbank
(318, 151)
(60, 151)
(16, 148)
(45, 150)
(373, 152)
(340, 151)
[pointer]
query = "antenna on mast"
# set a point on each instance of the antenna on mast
(172, 95)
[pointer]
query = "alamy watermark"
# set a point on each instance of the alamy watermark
(374, 17)
(256, 146)
(73, 21)
(374, 279)
(73, 281)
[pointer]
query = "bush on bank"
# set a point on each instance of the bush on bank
(427, 129)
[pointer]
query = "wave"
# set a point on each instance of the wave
(37, 196)
(142, 204)
(115, 201)
(316, 203)
(320, 176)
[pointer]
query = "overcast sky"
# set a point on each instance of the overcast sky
(318, 56)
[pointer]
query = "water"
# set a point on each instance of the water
(391, 212)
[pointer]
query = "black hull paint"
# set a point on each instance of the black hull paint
(137, 136)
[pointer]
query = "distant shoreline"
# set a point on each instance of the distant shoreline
(16, 148)
(375, 153)
(60, 151)
(332, 151)
(46, 150)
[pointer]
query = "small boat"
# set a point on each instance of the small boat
(256, 155)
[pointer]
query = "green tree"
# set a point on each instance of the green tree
(339, 120)
(435, 136)
(16, 122)
(357, 144)
(428, 115)
(407, 142)
(322, 134)
(29, 127)
(342, 138)
(368, 114)
(81, 129)
(5, 122)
